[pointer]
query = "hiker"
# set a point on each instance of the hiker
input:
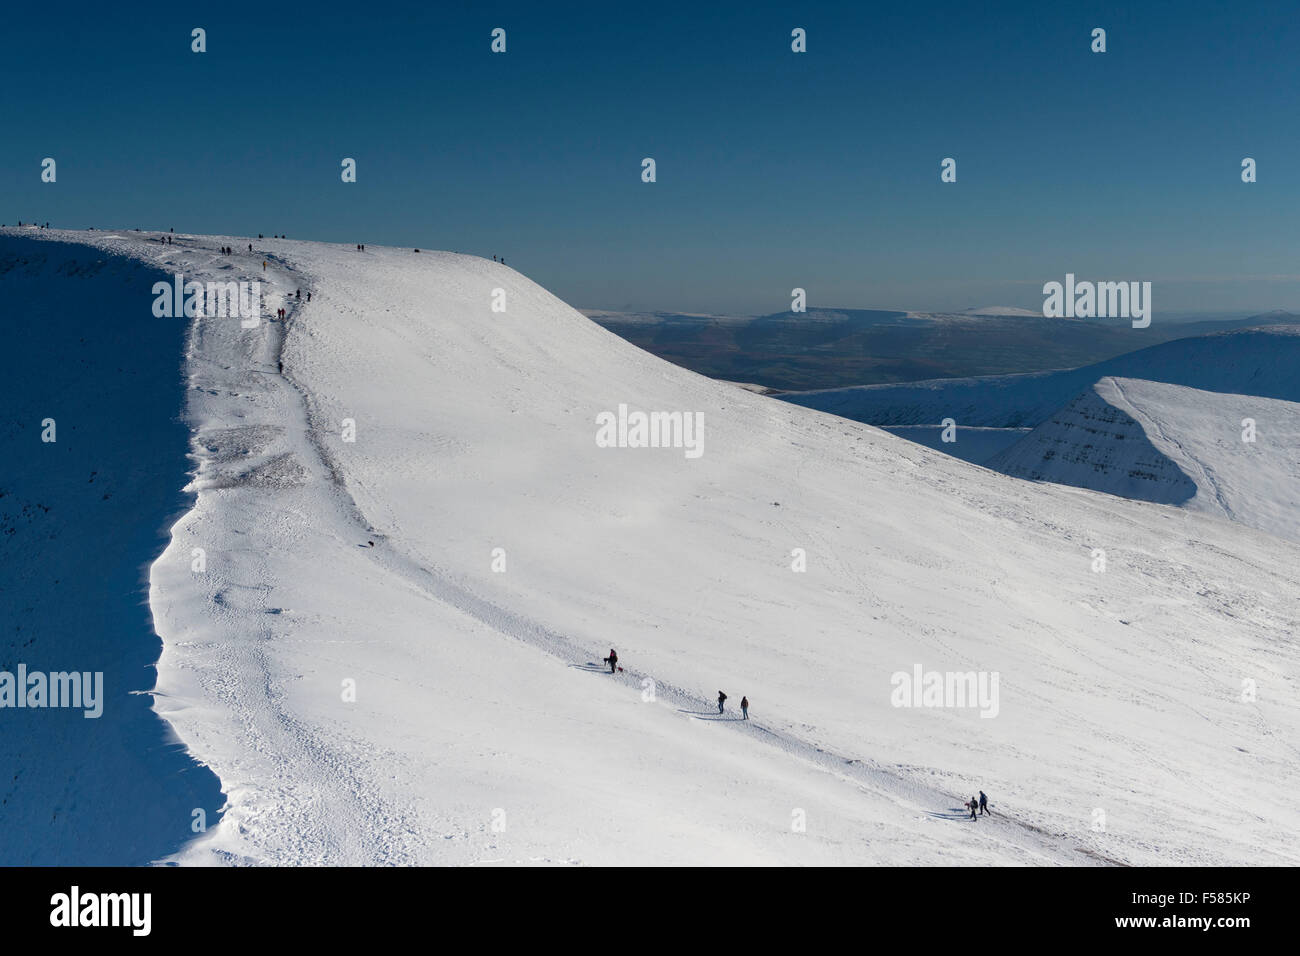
(281, 364)
(612, 660)
(972, 806)
(298, 294)
(722, 699)
(250, 247)
(744, 708)
(263, 265)
(984, 804)
(308, 296)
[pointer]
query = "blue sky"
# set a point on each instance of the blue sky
(775, 169)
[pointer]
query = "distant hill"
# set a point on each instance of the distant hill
(1173, 445)
(835, 348)
(1256, 361)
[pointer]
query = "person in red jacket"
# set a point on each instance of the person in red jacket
(612, 660)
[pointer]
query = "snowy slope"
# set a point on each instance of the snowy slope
(1174, 445)
(483, 727)
(1255, 361)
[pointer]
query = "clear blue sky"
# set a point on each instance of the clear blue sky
(775, 169)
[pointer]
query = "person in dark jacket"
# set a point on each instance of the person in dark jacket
(984, 804)
(744, 708)
(612, 660)
(722, 699)
(972, 807)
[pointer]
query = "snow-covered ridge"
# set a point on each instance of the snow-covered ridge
(1236, 456)
(393, 653)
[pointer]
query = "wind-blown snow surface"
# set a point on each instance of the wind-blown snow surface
(483, 728)
(1175, 445)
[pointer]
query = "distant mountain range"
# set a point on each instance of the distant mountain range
(835, 348)
(1250, 361)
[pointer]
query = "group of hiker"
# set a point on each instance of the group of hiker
(980, 803)
(978, 806)
(282, 313)
(229, 250)
(744, 705)
(612, 661)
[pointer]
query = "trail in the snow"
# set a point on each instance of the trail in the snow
(440, 585)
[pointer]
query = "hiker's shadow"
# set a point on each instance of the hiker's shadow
(591, 667)
(952, 813)
(707, 714)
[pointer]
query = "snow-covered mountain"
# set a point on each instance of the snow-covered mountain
(1253, 361)
(1002, 310)
(418, 551)
(1236, 456)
